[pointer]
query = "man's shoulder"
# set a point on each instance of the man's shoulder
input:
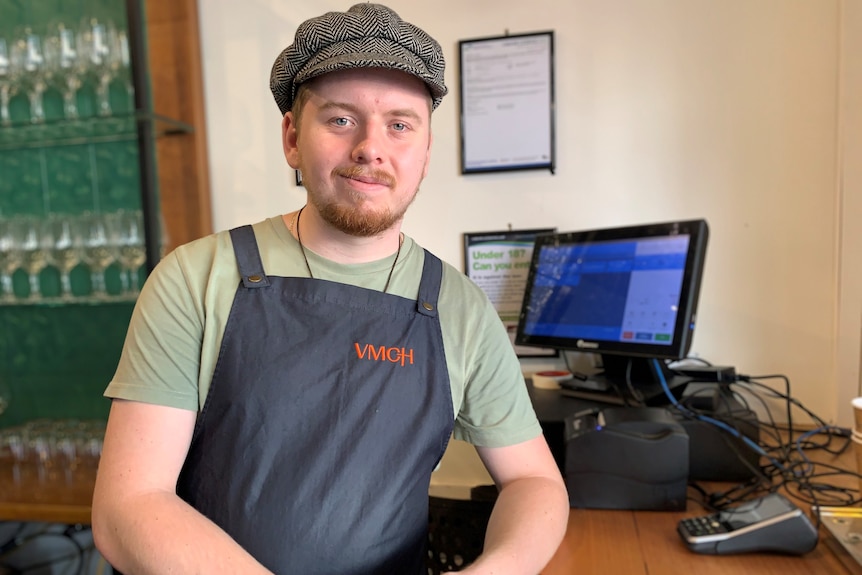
(207, 249)
(456, 279)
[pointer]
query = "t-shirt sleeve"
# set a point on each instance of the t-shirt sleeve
(496, 409)
(160, 361)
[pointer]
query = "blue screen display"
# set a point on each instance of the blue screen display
(619, 290)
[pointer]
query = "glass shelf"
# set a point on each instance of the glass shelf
(83, 300)
(114, 128)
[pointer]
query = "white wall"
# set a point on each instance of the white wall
(666, 109)
(849, 333)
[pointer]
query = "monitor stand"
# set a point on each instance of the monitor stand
(627, 381)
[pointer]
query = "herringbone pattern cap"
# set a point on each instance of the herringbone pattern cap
(366, 36)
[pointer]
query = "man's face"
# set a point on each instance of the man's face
(363, 146)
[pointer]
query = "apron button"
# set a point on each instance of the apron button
(254, 279)
(428, 306)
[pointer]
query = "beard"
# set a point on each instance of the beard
(351, 217)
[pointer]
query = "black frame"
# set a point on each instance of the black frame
(683, 332)
(508, 131)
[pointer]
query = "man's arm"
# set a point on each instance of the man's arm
(531, 512)
(140, 524)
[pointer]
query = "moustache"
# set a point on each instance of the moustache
(366, 174)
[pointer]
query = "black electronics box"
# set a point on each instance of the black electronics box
(718, 451)
(626, 458)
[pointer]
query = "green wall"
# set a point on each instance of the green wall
(57, 359)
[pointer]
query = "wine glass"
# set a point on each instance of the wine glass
(68, 245)
(98, 250)
(132, 253)
(12, 74)
(11, 255)
(37, 247)
(11, 69)
(66, 58)
(103, 49)
(29, 50)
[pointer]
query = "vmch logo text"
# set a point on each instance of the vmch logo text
(399, 355)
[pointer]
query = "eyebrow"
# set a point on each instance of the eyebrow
(397, 113)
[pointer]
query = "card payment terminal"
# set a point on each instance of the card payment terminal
(771, 523)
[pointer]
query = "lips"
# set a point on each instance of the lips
(366, 176)
(368, 180)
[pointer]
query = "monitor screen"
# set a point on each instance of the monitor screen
(628, 291)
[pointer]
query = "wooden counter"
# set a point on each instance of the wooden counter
(620, 542)
(599, 542)
(604, 542)
(29, 492)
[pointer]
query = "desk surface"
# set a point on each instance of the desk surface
(603, 542)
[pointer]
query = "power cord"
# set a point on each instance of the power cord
(720, 424)
(788, 465)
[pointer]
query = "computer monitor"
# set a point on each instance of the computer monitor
(627, 293)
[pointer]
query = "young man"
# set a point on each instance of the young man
(287, 388)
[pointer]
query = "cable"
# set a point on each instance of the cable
(752, 381)
(785, 462)
(727, 403)
(22, 545)
(743, 377)
(634, 393)
(715, 422)
(788, 464)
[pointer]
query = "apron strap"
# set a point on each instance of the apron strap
(248, 257)
(429, 287)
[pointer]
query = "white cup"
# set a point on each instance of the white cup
(856, 402)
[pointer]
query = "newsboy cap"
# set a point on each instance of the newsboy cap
(366, 36)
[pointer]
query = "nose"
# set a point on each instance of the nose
(368, 148)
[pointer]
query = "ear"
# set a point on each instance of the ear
(288, 140)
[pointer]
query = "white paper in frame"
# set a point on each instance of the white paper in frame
(507, 103)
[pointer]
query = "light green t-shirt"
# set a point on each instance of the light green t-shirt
(176, 330)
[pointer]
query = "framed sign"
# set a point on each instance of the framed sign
(499, 263)
(507, 103)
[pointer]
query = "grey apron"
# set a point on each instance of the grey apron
(329, 408)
